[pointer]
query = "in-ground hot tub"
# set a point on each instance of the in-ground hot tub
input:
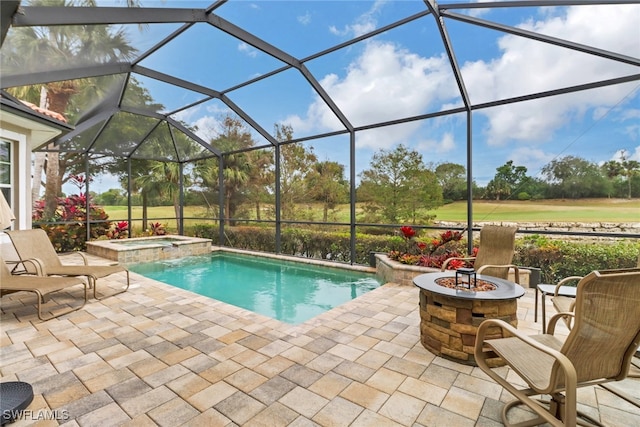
(147, 249)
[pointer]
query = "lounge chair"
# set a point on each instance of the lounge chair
(495, 252)
(598, 349)
(39, 285)
(35, 245)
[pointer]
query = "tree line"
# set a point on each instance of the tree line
(397, 187)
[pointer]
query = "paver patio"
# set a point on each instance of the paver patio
(159, 355)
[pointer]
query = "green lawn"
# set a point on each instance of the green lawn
(584, 210)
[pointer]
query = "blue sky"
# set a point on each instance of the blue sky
(405, 72)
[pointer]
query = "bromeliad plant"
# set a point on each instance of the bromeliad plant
(157, 229)
(120, 230)
(432, 253)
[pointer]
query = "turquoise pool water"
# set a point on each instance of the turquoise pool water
(288, 291)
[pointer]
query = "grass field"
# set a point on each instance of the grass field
(583, 210)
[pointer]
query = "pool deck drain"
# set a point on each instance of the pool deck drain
(159, 355)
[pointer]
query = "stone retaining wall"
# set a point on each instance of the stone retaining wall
(572, 227)
(402, 274)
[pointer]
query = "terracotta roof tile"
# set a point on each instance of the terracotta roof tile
(46, 112)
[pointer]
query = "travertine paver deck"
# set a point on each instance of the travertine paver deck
(158, 355)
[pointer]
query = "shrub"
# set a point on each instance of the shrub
(73, 235)
(556, 258)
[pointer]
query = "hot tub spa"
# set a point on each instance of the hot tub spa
(148, 249)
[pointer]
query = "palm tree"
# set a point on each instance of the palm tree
(59, 46)
(163, 178)
(238, 167)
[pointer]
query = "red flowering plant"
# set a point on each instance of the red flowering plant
(120, 230)
(67, 228)
(432, 253)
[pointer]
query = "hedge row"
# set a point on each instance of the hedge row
(556, 258)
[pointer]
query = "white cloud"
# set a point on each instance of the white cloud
(478, 12)
(526, 66)
(446, 144)
(363, 24)
(533, 159)
(627, 154)
(247, 49)
(387, 81)
(207, 120)
(398, 84)
(305, 19)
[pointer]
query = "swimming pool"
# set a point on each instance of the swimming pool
(288, 291)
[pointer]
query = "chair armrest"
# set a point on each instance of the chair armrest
(516, 271)
(571, 377)
(37, 265)
(446, 262)
(63, 256)
(564, 281)
(567, 316)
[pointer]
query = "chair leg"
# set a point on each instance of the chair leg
(544, 314)
(528, 423)
(557, 408)
(95, 288)
(41, 300)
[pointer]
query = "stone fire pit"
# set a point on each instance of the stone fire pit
(450, 315)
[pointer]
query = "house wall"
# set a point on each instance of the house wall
(21, 177)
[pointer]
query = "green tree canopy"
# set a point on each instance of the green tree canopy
(327, 185)
(296, 163)
(574, 178)
(399, 188)
(452, 178)
(508, 179)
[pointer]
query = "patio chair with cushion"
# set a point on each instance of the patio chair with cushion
(598, 349)
(495, 252)
(42, 286)
(35, 245)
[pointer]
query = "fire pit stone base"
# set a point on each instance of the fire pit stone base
(449, 326)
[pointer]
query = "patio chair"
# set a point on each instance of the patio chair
(563, 300)
(35, 245)
(495, 252)
(598, 349)
(42, 286)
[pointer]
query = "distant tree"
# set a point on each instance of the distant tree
(111, 197)
(327, 185)
(261, 176)
(233, 137)
(613, 170)
(630, 169)
(507, 180)
(296, 163)
(574, 177)
(399, 187)
(452, 179)
(164, 179)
